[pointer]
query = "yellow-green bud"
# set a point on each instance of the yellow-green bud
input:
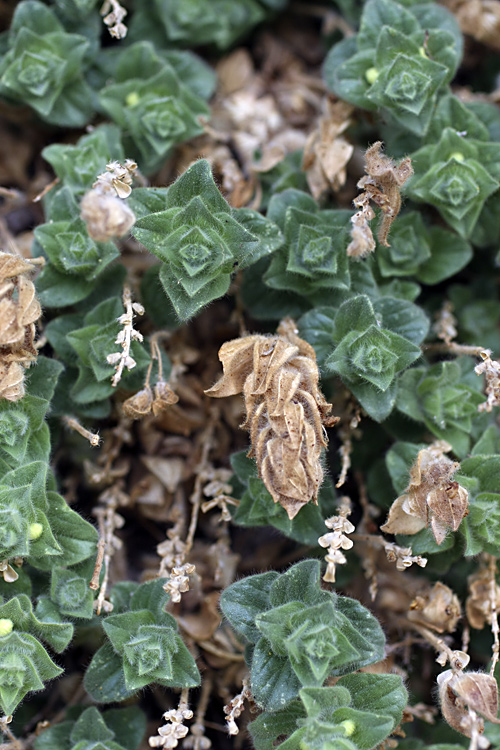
(349, 727)
(422, 51)
(371, 75)
(458, 156)
(132, 99)
(6, 627)
(35, 531)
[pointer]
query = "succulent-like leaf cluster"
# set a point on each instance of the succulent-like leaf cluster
(43, 66)
(399, 61)
(143, 647)
(298, 634)
(115, 729)
(357, 713)
(196, 22)
(201, 240)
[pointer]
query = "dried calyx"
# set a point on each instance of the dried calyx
(286, 411)
(431, 498)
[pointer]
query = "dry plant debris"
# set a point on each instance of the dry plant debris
(478, 18)
(19, 311)
(327, 151)
(381, 185)
(103, 209)
(431, 498)
(491, 369)
(286, 411)
(437, 608)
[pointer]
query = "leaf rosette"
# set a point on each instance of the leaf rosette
(368, 357)
(313, 257)
(43, 67)
(200, 240)
(439, 397)
(298, 634)
(398, 63)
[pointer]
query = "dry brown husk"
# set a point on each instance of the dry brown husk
(286, 411)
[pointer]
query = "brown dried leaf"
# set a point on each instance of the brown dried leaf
(327, 152)
(168, 470)
(278, 376)
(438, 608)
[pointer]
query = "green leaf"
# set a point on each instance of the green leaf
(104, 680)
(24, 666)
(242, 601)
(50, 629)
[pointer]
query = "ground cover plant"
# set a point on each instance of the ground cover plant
(249, 374)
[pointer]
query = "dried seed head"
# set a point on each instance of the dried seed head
(164, 397)
(286, 411)
(19, 310)
(476, 690)
(431, 498)
(478, 605)
(138, 405)
(438, 609)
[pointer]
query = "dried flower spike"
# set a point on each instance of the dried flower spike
(286, 411)
(381, 184)
(431, 498)
(113, 16)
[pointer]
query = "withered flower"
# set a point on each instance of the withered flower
(431, 497)
(286, 411)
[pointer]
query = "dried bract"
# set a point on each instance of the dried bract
(286, 411)
(431, 497)
(381, 185)
(491, 369)
(438, 609)
(19, 310)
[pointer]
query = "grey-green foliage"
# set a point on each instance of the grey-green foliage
(297, 634)
(44, 67)
(115, 729)
(398, 63)
(200, 239)
(142, 647)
